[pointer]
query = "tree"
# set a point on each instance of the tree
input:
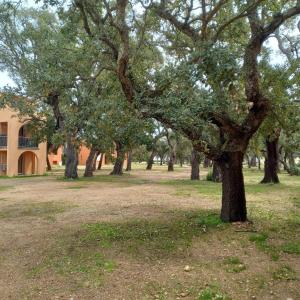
(172, 143)
(37, 49)
(195, 165)
(156, 135)
(162, 149)
(211, 59)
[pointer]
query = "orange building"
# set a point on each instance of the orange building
(19, 153)
(55, 157)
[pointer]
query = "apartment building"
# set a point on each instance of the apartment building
(19, 153)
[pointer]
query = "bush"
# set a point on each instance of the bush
(295, 171)
(209, 176)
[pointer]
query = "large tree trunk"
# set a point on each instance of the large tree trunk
(271, 161)
(118, 166)
(150, 160)
(233, 190)
(71, 160)
(171, 161)
(89, 165)
(216, 173)
(195, 164)
(49, 168)
(129, 160)
(100, 161)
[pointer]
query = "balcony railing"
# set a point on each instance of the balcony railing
(3, 140)
(25, 142)
(3, 167)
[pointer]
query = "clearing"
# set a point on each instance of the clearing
(146, 235)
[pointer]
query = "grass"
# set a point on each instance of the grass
(285, 273)
(5, 188)
(85, 255)
(86, 266)
(291, 248)
(124, 180)
(234, 265)
(152, 239)
(41, 209)
(212, 293)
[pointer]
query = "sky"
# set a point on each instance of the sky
(6, 80)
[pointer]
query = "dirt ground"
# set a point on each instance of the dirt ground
(42, 220)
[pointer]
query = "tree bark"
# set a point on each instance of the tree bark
(100, 162)
(49, 168)
(253, 161)
(233, 190)
(171, 161)
(89, 165)
(118, 166)
(129, 160)
(216, 173)
(161, 160)
(271, 161)
(195, 164)
(150, 160)
(181, 163)
(71, 160)
(206, 162)
(248, 161)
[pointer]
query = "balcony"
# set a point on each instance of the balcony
(26, 142)
(3, 168)
(3, 141)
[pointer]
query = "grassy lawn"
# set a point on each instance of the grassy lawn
(148, 235)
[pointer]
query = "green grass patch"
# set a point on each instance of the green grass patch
(124, 180)
(291, 248)
(261, 242)
(84, 266)
(212, 293)
(205, 188)
(258, 238)
(284, 272)
(234, 265)
(5, 188)
(41, 209)
(152, 238)
(75, 187)
(296, 201)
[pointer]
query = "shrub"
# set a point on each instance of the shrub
(209, 176)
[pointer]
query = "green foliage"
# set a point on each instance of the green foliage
(291, 247)
(212, 293)
(295, 171)
(209, 175)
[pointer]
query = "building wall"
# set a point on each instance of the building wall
(36, 157)
(56, 158)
